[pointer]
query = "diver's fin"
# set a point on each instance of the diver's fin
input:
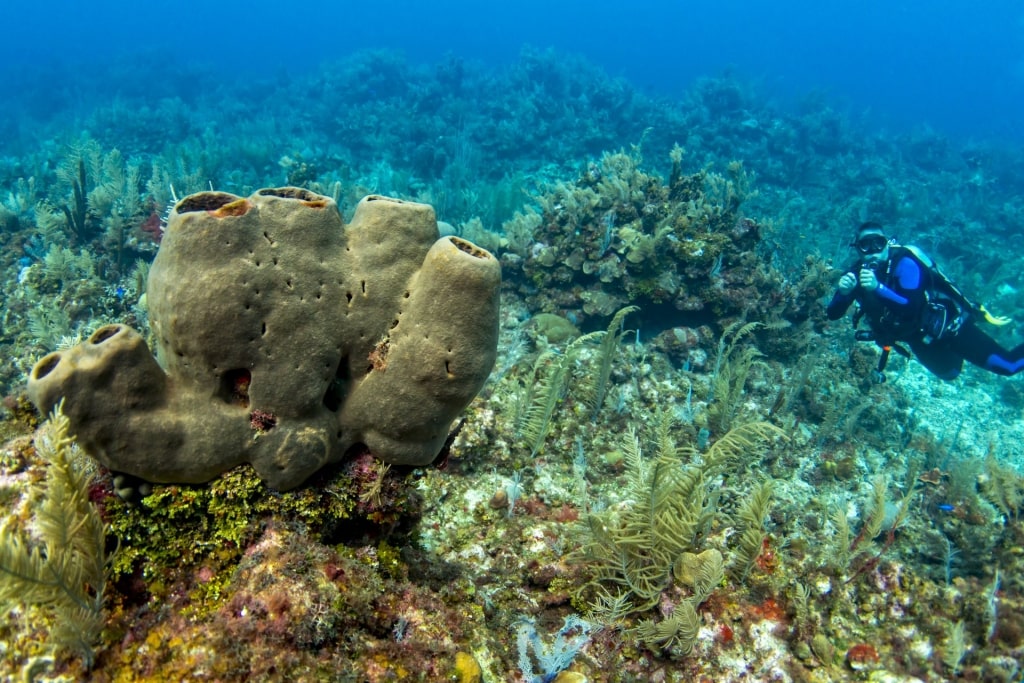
(998, 320)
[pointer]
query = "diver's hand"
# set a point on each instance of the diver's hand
(847, 283)
(868, 281)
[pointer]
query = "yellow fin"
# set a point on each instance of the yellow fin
(999, 320)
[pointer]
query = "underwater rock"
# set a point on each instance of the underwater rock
(554, 328)
(285, 338)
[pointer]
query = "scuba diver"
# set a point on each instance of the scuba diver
(905, 299)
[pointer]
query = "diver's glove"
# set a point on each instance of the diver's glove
(868, 280)
(847, 283)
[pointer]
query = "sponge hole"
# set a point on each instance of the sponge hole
(104, 333)
(45, 366)
(205, 201)
(234, 387)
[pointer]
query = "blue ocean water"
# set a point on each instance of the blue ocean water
(955, 66)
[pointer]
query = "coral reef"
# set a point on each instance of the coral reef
(581, 523)
(287, 339)
(682, 250)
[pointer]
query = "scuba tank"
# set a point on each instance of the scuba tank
(944, 286)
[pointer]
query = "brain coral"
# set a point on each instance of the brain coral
(284, 338)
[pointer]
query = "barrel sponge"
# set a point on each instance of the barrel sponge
(285, 338)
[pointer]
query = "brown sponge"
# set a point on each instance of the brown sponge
(284, 338)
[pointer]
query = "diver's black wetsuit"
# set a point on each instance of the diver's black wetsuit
(896, 312)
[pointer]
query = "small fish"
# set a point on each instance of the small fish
(946, 507)
(119, 293)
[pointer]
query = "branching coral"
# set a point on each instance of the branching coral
(733, 365)
(59, 572)
(552, 374)
(632, 552)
